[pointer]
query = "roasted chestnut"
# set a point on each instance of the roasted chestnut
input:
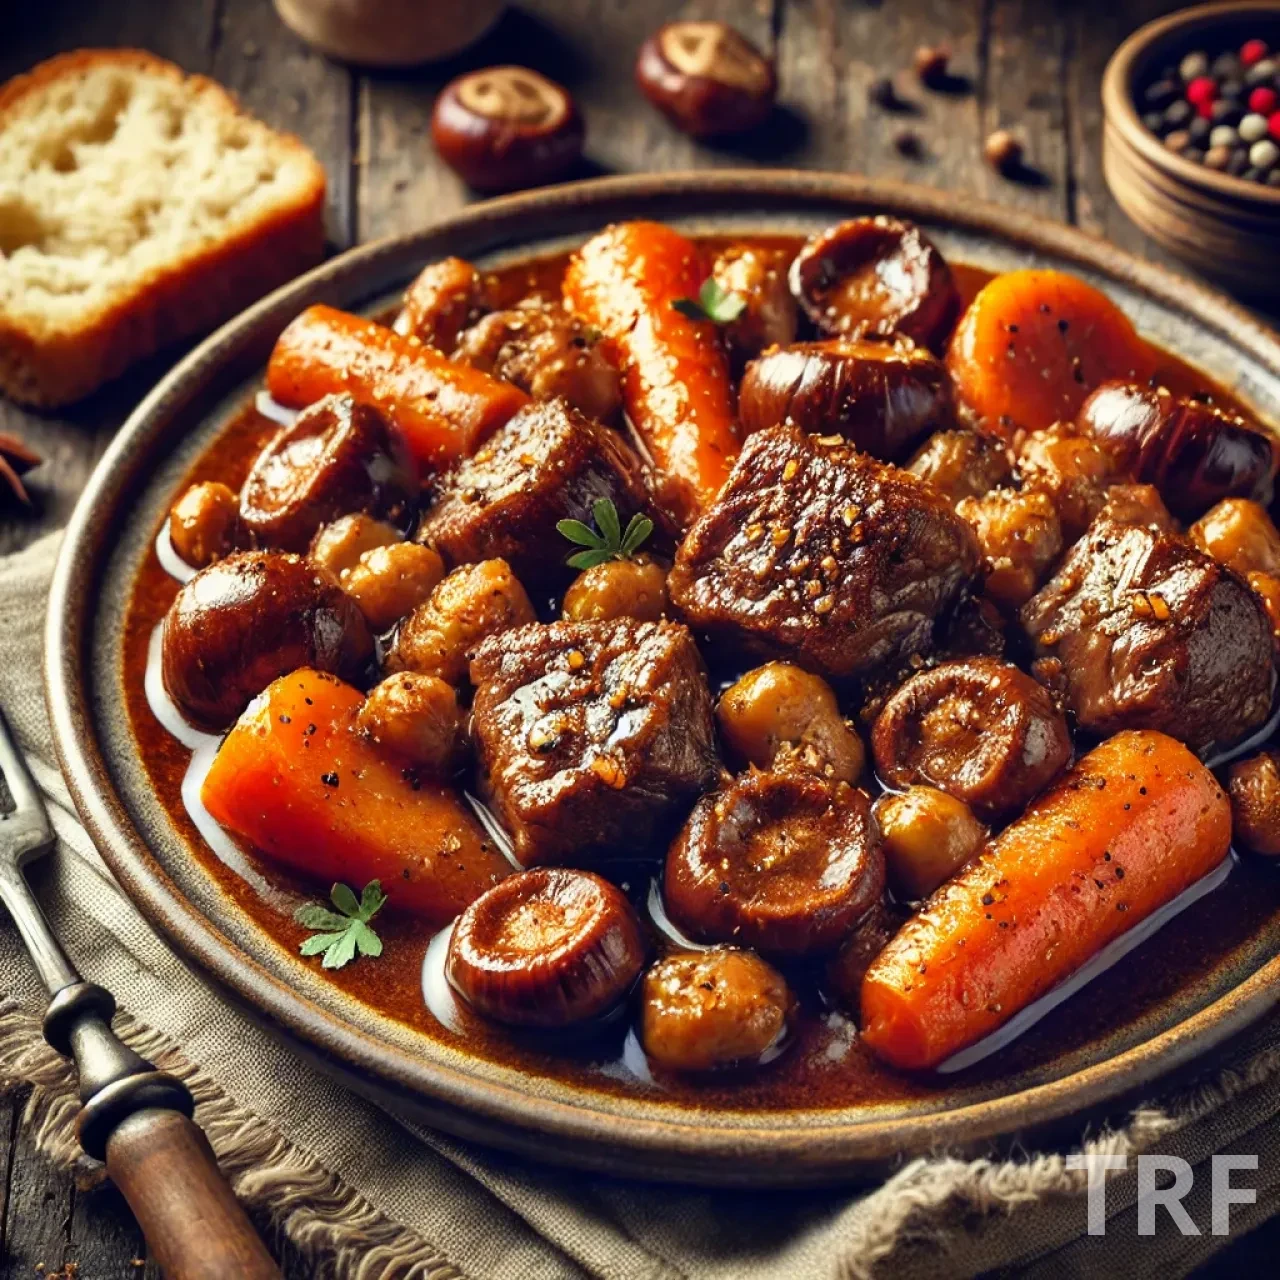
(962, 463)
(631, 588)
(979, 729)
(780, 716)
(881, 397)
(340, 456)
(445, 298)
(546, 948)
(1195, 453)
(1254, 788)
(784, 862)
(702, 1010)
(873, 278)
(758, 276)
(415, 717)
(204, 524)
(507, 127)
(244, 621)
(706, 78)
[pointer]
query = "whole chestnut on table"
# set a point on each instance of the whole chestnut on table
(507, 127)
(707, 78)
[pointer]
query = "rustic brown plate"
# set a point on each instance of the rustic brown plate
(1091, 1069)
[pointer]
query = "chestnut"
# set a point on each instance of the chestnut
(503, 128)
(708, 79)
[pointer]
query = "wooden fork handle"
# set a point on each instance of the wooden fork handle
(195, 1227)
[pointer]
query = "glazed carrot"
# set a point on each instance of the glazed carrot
(296, 780)
(1135, 822)
(1033, 344)
(675, 379)
(444, 409)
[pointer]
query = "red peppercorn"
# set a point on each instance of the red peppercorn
(1205, 109)
(1253, 51)
(1273, 125)
(1263, 100)
(1201, 90)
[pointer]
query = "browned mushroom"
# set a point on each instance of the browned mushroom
(784, 862)
(444, 299)
(979, 729)
(507, 127)
(340, 456)
(881, 397)
(546, 948)
(873, 278)
(707, 78)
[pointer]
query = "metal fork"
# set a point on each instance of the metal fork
(134, 1118)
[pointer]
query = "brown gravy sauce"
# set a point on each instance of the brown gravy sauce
(826, 1067)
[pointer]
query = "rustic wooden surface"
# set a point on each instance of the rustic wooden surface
(1032, 66)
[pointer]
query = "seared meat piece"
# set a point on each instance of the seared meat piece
(1194, 453)
(1073, 470)
(817, 553)
(759, 277)
(1139, 630)
(979, 729)
(338, 457)
(592, 736)
(881, 397)
(244, 621)
(547, 352)
(962, 464)
(549, 463)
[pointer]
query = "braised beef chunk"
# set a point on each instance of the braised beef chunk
(548, 463)
(593, 737)
(1139, 630)
(815, 552)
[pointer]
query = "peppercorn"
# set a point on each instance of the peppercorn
(1178, 114)
(1226, 111)
(931, 63)
(1196, 156)
(1003, 151)
(907, 143)
(1261, 72)
(1223, 136)
(1238, 163)
(1254, 175)
(1273, 178)
(1225, 66)
(1154, 121)
(1233, 88)
(1264, 154)
(1193, 66)
(1262, 99)
(1160, 94)
(1253, 127)
(1253, 51)
(1199, 129)
(883, 93)
(1273, 125)
(1217, 157)
(1178, 140)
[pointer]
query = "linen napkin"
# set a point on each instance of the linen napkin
(364, 1194)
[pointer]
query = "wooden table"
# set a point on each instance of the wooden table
(1031, 66)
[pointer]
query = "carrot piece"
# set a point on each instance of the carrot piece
(444, 409)
(295, 779)
(675, 378)
(1137, 821)
(1032, 346)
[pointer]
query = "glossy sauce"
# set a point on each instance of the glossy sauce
(826, 1066)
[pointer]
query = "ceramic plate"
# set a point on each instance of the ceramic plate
(1230, 978)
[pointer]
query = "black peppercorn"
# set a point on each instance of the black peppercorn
(1225, 66)
(1154, 120)
(1003, 151)
(1194, 154)
(1160, 94)
(907, 143)
(1238, 162)
(883, 93)
(1224, 111)
(1199, 130)
(1179, 114)
(931, 63)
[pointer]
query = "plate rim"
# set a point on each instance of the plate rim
(491, 1111)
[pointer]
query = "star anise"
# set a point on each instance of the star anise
(16, 459)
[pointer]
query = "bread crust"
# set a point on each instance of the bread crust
(191, 294)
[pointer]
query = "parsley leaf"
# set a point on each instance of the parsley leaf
(611, 542)
(714, 302)
(343, 932)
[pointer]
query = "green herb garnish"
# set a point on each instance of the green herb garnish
(611, 542)
(345, 931)
(714, 303)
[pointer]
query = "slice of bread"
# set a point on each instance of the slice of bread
(138, 206)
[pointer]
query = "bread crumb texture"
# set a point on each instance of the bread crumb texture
(118, 172)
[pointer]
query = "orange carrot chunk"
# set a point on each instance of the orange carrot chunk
(1136, 822)
(296, 780)
(1032, 346)
(444, 409)
(675, 378)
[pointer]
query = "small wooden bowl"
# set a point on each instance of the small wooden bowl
(1225, 227)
